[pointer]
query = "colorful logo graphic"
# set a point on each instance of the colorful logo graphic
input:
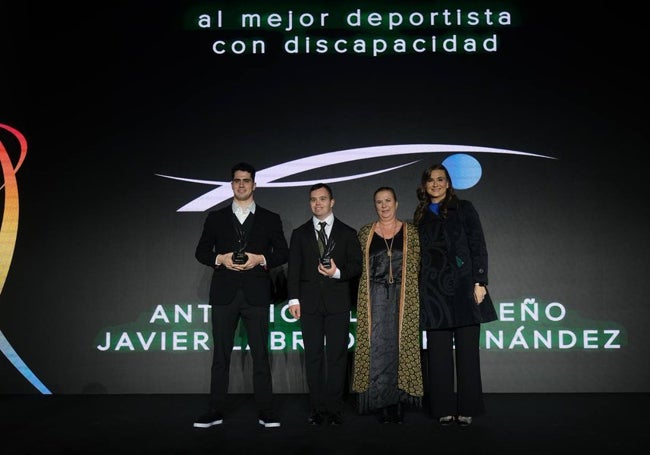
(8, 233)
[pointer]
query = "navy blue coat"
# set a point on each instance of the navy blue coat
(453, 257)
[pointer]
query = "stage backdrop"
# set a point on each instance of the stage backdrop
(120, 121)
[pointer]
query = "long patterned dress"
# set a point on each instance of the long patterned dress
(387, 359)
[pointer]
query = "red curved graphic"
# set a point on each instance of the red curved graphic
(9, 228)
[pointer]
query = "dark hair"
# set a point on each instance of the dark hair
(385, 188)
(318, 186)
(243, 167)
(424, 198)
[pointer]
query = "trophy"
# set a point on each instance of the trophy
(328, 247)
(238, 256)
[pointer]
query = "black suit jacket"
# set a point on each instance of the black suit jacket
(219, 237)
(303, 280)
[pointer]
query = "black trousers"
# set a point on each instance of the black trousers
(453, 382)
(325, 336)
(225, 319)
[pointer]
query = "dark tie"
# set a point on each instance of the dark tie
(322, 237)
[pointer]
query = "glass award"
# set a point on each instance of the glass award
(238, 256)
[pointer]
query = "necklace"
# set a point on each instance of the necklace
(389, 252)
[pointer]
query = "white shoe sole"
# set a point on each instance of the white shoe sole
(208, 425)
(269, 424)
(464, 421)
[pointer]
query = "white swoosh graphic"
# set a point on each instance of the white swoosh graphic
(267, 177)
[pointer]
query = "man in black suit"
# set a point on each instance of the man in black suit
(321, 297)
(241, 242)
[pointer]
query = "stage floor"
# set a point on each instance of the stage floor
(162, 424)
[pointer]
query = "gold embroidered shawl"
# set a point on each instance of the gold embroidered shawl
(410, 368)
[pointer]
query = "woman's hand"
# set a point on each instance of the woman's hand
(479, 293)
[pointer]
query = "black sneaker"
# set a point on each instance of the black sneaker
(209, 419)
(447, 420)
(335, 418)
(464, 421)
(315, 417)
(269, 419)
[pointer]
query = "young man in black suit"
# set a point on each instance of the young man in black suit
(321, 287)
(241, 242)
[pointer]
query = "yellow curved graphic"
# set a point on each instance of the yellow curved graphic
(8, 234)
(9, 229)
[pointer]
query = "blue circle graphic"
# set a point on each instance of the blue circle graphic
(465, 170)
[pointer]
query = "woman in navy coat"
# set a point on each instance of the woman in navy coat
(453, 297)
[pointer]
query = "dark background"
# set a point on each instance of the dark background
(112, 95)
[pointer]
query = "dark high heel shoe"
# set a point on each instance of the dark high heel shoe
(395, 413)
(399, 413)
(383, 416)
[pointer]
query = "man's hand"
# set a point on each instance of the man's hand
(295, 310)
(327, 272)
(253, 261)
(226, 260)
